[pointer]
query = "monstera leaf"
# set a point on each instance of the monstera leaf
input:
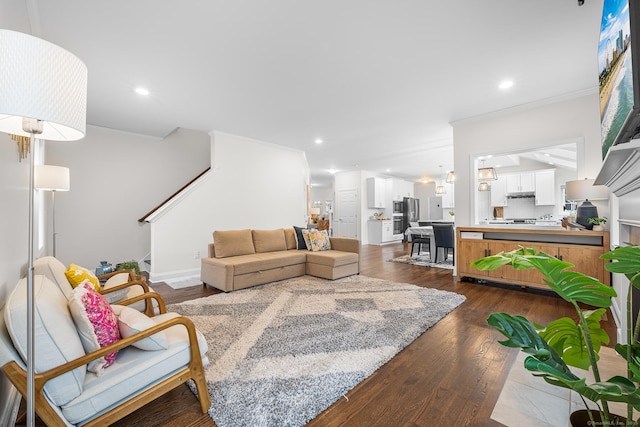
(627, 262)
(545, 362)
(566, 338)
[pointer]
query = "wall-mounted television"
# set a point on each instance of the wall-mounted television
(618, 70)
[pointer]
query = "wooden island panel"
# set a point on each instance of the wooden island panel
(581, 248)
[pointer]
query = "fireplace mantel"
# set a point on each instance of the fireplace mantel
(621, 168)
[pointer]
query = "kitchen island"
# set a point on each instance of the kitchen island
(579, 247)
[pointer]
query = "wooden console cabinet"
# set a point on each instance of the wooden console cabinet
(581, 248)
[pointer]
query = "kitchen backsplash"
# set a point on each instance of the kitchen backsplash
(526, 208)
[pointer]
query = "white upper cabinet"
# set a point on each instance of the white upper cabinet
(448, 197)
(546, 187)
(521, 183)
(401, 189)
(499, 191)
(376, 192)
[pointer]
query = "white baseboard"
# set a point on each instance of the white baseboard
(174, 276)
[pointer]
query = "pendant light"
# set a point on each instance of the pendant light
(487, 174)
(484, 186)
(451, 176)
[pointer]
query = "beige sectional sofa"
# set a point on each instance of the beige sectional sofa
(239, 259)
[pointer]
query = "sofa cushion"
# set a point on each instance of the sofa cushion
(131, 322)
(300, 238)
(233, 243)
(317, 240)
(133, 370)
(265, 261)
(332, 258)
(57, 341)
(290, 237)
(269, 240)
(96, 323)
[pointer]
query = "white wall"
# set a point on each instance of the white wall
(263, 190)
(535, 127)
(116, 178)
(14, 183)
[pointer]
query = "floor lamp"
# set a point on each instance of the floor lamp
(43, 94)
(52, 178)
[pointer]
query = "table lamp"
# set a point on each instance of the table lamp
(583, 189)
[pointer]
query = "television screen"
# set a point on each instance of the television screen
(615, 71)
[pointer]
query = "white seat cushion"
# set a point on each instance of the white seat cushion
(56, 339)
(134, 370)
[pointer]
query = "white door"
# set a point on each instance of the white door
(347, 213)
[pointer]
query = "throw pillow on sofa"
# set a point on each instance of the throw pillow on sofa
(300, 240)
(317, 240)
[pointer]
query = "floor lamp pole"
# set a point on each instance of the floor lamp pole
(53, 209)
(30, 299)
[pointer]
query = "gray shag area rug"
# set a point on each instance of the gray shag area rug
(282, 353)
(425, 261)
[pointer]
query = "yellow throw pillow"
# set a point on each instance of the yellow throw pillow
(76, 275)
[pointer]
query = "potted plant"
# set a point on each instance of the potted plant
(598, 223)
(565, 342)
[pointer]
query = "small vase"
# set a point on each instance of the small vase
(598, 228)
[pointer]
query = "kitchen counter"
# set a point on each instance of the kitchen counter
(582, 248)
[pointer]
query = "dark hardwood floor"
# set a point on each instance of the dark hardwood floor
(450, 376)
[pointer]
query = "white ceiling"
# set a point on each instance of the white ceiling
(379, 81)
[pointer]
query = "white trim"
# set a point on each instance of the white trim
(525, 107)
(192, 273)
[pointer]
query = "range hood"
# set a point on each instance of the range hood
(521, 196)
(621, 168)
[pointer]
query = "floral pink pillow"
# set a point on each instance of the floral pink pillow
(96, 323)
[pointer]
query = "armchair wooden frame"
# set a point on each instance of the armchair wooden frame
(194, 371)
(133, 281)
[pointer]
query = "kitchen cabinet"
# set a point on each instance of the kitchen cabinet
(545, 187)
(376, 191)
(499, 191)
(581, 248)
(521, 183)
(401, 189)
(447, 197)
(380, 232)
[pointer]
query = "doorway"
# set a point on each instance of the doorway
(347, 213)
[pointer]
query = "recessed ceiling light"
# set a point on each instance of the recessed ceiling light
(318, 141)
(332, 171)
(142, 91)
(388, 170)
(505, 84)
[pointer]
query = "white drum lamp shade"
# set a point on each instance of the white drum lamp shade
(52, 178)
(40, 80)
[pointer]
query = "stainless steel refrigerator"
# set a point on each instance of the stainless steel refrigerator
(410, 213)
